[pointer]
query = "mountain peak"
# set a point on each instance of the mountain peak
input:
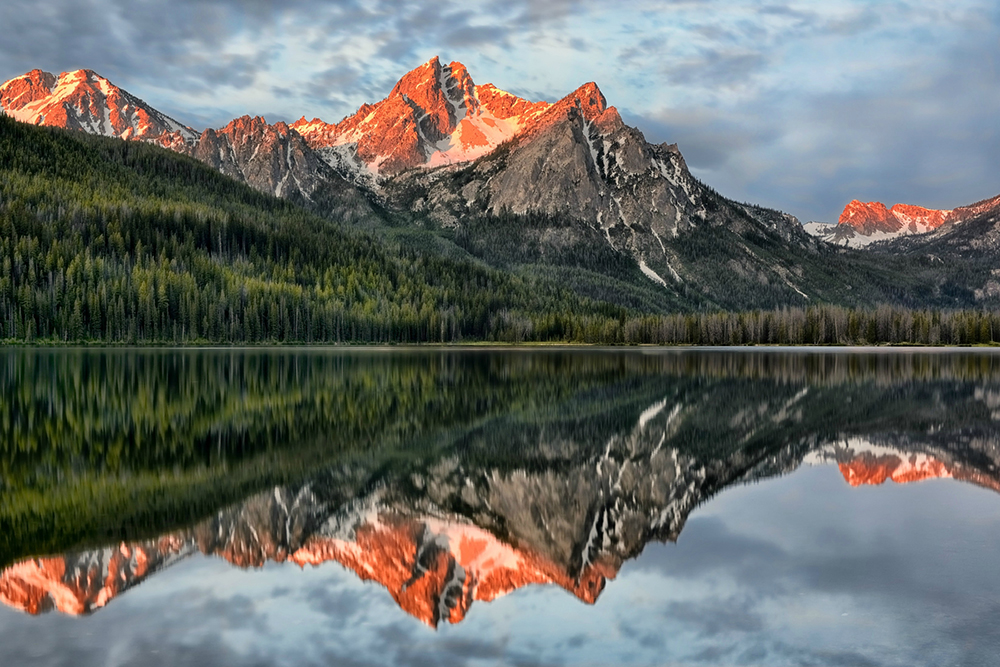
(434, 115)
(427, 74)
(245, 123)
(84, 100)
(80, 75)
(590, 98)
(26, 89)
(862, 223)
(918, 219)
(869, 218)
(856, 208)
(874, 219)
(586, 102)
(270, 158)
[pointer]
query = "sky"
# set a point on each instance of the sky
(800, 106)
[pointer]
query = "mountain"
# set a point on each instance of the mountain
(84, 100)
(862, 223)
(968, 243)
(864, 462)
(562, 194)
(573, 164)
(610, 208)
(469, 157)
(269, 158)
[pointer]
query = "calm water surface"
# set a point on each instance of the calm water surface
(483, 507)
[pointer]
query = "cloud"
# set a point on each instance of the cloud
(841, 566)
(169, 633)
(806, 570)
(897, 123)
(338, 604)
(717, 68)
(719, 549)
(978, 636)
(709, 140)
(713, 617)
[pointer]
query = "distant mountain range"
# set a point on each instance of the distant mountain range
(564, 190)
(862, 224)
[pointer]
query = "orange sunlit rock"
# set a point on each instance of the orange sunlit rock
(83, 100)
(918, 218)
(869, 217)
(59, 582)
(434, 115)
(435, 570)
(20, 92)
(872, 469)
(869, 469)
(873, 218)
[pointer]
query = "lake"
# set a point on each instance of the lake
(637, 506)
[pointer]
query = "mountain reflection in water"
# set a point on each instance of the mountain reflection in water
(447, 477)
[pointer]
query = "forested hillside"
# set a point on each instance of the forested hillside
(115, 241)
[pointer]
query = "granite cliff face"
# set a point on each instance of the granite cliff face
(577, 160)
(869, 218)
(271, 158)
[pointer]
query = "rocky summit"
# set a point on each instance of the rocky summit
(435, 115)
(84, 100)
(269, 158)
